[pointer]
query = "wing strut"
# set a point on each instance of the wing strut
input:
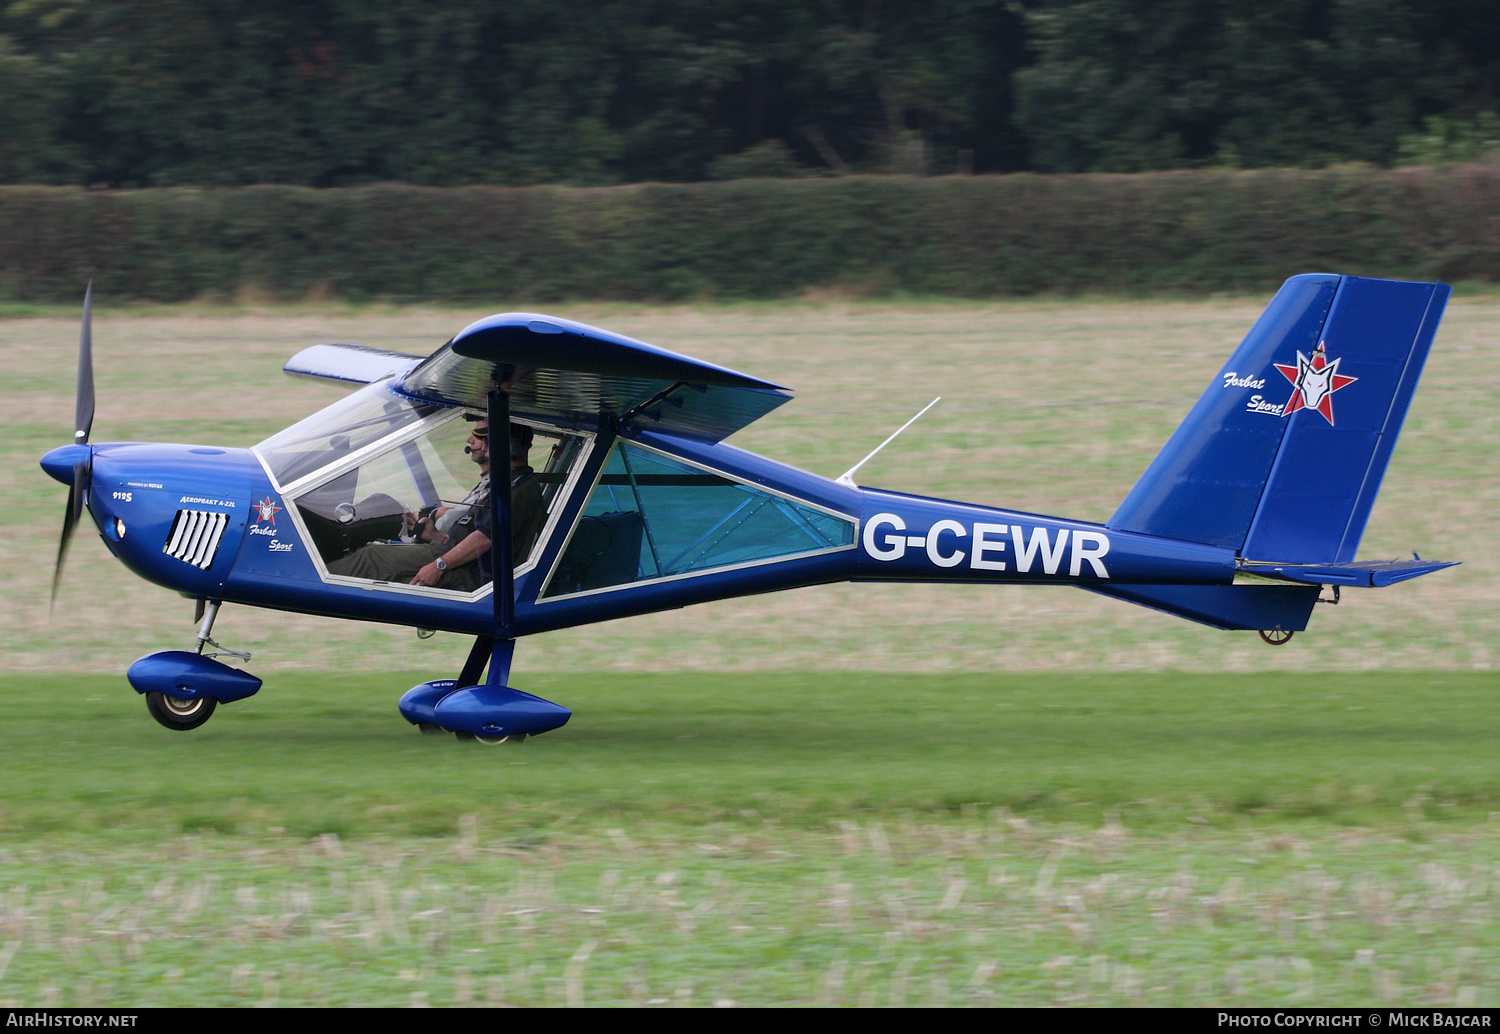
(500, 544)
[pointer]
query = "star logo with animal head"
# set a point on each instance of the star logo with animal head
(267, 509)
(1313, 383)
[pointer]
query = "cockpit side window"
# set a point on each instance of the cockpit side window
(652, 516)
(404, 507)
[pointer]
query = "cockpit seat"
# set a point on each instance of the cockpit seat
(340, 529)
(606, 550)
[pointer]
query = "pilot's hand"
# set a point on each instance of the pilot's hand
(423, 526)
(427, 576)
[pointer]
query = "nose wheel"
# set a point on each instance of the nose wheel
(178, 714)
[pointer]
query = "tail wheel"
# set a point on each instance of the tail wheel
(180, 715)
(1276, 636)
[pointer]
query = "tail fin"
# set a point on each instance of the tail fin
(1282, 456)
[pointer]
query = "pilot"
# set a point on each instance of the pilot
(451, 540)
(527, 512)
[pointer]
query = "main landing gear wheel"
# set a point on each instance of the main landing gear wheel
(492, 741)
(1276, 636)
(180, 715)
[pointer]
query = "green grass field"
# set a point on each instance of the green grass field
(763, 839)
(841, 795)
(1153, 750)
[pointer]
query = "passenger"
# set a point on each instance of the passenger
(450, 539)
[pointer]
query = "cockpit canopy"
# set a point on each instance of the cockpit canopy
(363, 472)
(379, 481)
(335, 432)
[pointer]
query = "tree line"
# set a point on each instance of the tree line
(329, 93)
(957, 236)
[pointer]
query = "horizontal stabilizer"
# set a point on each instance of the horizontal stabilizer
(349, 364)
(1246, 607)
(1374, 574)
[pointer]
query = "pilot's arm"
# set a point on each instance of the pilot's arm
(422, 525)
(528, 513)
(467, 551)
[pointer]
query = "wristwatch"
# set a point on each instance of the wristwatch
(442, 565)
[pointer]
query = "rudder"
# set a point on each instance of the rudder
(1335, 450)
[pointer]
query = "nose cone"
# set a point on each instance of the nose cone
(173, 514)
(59, 463)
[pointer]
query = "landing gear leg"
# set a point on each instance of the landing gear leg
(205, 630)
(207, 614)
(479, 656)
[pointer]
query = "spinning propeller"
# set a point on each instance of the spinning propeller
(80, 456)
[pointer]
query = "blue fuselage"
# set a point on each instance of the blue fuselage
(209, 523)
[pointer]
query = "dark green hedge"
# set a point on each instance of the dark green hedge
(965, 236)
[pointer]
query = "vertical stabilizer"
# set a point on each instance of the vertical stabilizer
(1281, 457)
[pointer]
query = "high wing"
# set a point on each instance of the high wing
(349, 364)
(578, 375)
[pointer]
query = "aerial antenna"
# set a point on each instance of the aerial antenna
(847, 477)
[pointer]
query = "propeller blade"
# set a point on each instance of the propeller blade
(83, 422)
(84, 415)
(77, 493)
(198, 610)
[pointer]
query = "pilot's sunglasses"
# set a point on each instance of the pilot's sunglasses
(480, 432)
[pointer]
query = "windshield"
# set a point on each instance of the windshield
(329, 434)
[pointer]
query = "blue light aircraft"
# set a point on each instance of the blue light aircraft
(622, 498)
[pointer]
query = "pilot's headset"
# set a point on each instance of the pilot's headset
(520, 442)
(477, 432)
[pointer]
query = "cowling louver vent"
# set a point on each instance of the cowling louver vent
(195, 536)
